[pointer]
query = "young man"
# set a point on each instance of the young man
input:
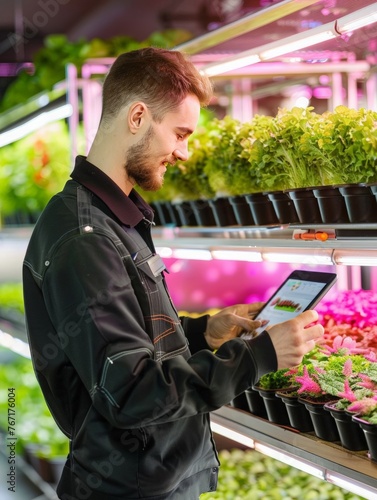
(128, 382)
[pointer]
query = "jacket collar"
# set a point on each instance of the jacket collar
(130, 210)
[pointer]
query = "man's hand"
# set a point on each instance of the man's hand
(231, 322)
(292, 339)
(295, 338)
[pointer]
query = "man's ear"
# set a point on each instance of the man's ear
(137, 114)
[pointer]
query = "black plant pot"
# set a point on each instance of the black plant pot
(370, 433)
(275, 408)
(360, 202)
(331, 204)
(284, 207)
(262, 209)
(299, 417)
(255, 403)
(21, 218)
(373, 188)
(223, 212)
(163, 213)
(306, 205)
(350, 433)
(174, 214)
(203, 212)
(186, 214)
(240, 402)
(168, 215)
(323, 423)
(242, 211)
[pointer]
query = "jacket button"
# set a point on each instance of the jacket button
(88, 229)
(47, 263)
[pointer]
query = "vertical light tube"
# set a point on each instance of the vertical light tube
(73, 100)
(337, 90)
(352, 91)
(242, 103)
(371, 91)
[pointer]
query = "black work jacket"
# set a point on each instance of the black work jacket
(129, 382)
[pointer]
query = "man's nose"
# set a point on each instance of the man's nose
(181, 153)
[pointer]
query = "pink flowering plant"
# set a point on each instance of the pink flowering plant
(365, 408)
(342, 371)
(286, 379)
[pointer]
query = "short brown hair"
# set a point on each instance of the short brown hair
(160, 78)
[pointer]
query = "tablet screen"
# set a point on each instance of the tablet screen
(293, 297)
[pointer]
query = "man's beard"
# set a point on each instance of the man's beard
(137, 166)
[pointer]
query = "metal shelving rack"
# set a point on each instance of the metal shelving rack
(346, 243)
(329, 461)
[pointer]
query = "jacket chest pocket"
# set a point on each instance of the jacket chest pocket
(152, 281)
(150, 272)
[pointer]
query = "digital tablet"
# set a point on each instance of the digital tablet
(302, 290)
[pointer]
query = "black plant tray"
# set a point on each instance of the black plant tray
(351, 234)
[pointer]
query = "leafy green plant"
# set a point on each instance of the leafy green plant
(33, 169)
(11, 297)
(300, 148)
(249, 475)
(343, 145)
(280, 379)
(35, 425)
(275, 153)
(227, 169)
(342, 371)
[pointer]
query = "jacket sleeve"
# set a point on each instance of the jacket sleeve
(194, 329)
(114, 356)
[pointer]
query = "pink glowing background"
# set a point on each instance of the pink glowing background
(196, 286)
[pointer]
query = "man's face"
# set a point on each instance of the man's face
(163, 143)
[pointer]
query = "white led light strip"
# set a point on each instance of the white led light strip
(34, 124)
(233, 435)
(351, 485)
(297, 463)
(16, 345)
(350, 22)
